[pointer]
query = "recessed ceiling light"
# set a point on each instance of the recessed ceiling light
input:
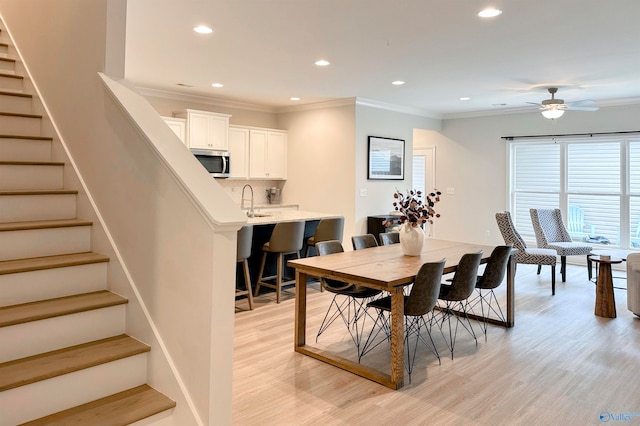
(322, 63)
(202, 29)
(218, 85)
(397, 83)
(295, 99)
(489, 13)
(465, 98)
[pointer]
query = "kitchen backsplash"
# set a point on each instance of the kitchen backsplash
(234, 189)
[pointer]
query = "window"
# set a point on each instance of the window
(594, 181)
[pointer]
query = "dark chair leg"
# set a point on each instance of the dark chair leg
(553, 280)
(539, 269)
(563, 268)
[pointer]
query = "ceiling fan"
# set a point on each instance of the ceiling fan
(554, 108)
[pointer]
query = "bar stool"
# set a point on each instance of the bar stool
(330, 228)
(245, 235)
(287, 238)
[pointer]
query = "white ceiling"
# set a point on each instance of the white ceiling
(264, 51)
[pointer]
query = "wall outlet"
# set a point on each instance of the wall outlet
(451, 191)
(488, 233)
(363, 192)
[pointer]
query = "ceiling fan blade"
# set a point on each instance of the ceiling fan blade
(581, 108)
(533, 103)
(581, 102)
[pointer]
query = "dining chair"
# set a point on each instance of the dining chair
(420, 302)
(243, 252)
(349, 301)
(330, 228)
(552, 234)
(286, 239)
(455, 297)
(360, 242)
(388, 238)
(524, 254)
(493, 275)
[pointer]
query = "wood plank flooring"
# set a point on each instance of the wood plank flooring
(559, 365)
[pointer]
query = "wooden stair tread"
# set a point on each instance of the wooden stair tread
(32, 163)
(50, 262)
(43, 224)
(9, 75)
(18, 114)
(7, 59)
(17, 94)
(40, 192)
(44, 366)
(38, 138)
(50, 308)
(122, 408)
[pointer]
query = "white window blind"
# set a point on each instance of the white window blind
(593, 178)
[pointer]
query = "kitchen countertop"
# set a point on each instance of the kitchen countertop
(272, 217)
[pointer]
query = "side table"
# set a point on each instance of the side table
(605, 299)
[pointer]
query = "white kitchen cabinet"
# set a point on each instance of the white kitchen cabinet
(267, 154)
(206, 130)
(239, 152)
(178, 126)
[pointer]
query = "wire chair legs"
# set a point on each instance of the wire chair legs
(488, 304)
(414, 326)
(353, 313)
(458, 310)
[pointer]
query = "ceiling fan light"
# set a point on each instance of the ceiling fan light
(552, 113)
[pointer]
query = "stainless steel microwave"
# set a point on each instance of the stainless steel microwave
(216, 162)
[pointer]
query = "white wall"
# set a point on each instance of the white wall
(321, 158)
(372, 121)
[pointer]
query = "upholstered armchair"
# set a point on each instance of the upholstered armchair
(552, 234)
(524, 254)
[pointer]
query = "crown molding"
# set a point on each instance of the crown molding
(398, 108)
(318, 105)
(207, 100)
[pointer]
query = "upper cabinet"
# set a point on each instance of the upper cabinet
(257, 153)
(207, 130)
(179, 127)
(267, 154)
(239, 152)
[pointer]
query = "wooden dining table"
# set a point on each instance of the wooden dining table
(384, 268)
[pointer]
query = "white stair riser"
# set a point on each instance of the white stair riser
(10, 83)
(21, 126)
(15, 103)
(16, 177)
(8, 66)
(32, 286)
(44, 242)
(24, 149)
(46, 397)
(21, 208)
(23, 340)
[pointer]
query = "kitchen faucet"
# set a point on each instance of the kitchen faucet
(250, 213)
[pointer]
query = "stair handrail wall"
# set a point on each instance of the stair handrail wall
(169, 228)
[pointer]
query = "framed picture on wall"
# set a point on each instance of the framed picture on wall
(385, 159)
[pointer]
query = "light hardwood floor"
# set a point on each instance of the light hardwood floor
(559, 365)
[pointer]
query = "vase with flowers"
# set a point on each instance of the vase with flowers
(414, 209)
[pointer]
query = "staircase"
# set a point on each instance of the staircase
(64, 354)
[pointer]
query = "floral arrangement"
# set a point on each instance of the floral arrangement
(414, 208)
